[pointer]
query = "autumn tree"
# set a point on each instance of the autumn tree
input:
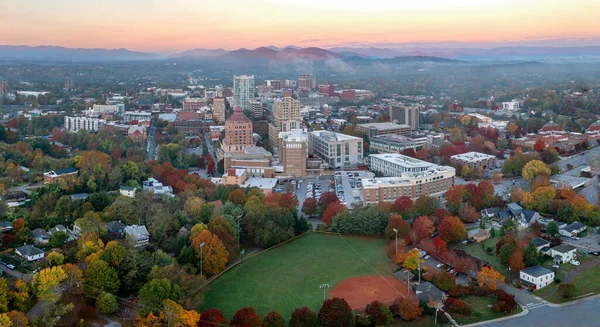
(515, 261)
(303, 317)
(535, 168)
(237, 196)
(336, 313)
(468, 214)
(451, 229)
(325, 200)
(55, 258)
(73, 278)
(379, 314)
(401, 225)
(413, 260)
(20, 295)
(153, 293)
(46, 281)
(444, 281)
(18, 319)
(440, 245)
(211, 318)
(246, 317)
(490, 278)
(309, 207)
(332, 210)
(4, 295)
(539, 145)
(107, 303)
(421, 228)
(101, 277)
(409, 308)
(404, 206)
(214, 255)
(274, 319)
(425, 205)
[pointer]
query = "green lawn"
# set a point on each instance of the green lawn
(586, 282)
(479, 252)
(482, 310)
(288, 277)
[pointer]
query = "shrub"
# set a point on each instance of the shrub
(556, 280)
(566, 290)
(321, 227)
(362, 321)
(427, 310)
(444, 281)
(274, 319)
(505, 302)
(303, 317)
(211, 317)
(458, 306)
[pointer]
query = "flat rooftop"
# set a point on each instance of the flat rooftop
(402, 160)
(383, 126)
(333, 136)
(472, 156)
(392, 138)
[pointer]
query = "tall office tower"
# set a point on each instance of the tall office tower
(243, 90)
(219, 110)
(286, 117)
(293, 152)
(238, 132)
(307, 82)
(69, 85)
(256, 107)
(407, 115)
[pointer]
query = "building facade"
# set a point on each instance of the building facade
(243, 90)
(326, 90)
(373, 129)
(307, 82)
(474, 160)
(75, 124)
(286, 117)
(219, 110)
(256, 107)
(392, 143)
(403, 114)
(536, 277)
(238, 132)
(293, 146)
(106, 108)
(336, 149)
(193, 104)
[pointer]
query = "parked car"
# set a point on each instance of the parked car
(426, 257)
(11, 267)
(440, 265)
(455, 274)
(448, 268)
(575, 262)
(556, 267)
(596, 253)
(575, 238)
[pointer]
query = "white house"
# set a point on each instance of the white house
(572, 229)
(139, 235)
(30, 252)
(127, 191)
(528, 217)
(536, 277)
(563, 253)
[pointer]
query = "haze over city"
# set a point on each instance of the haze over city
(170, 26)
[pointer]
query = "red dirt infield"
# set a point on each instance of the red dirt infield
(360, 291)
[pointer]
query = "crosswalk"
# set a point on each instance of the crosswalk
(535, 305)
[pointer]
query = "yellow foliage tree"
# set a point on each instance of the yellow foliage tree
(490, 277)
(533, 169)
(46, 281)
(412, 260)
(214, 255)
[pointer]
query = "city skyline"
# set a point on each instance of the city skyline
(164, 26)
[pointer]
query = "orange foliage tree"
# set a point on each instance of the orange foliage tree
(490, 277)
(451, 229)
(214, 255)
(332, 210)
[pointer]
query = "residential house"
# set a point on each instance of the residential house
(428, 292)
(30, 252)
(116, 229)
(536, 278)
(515, 209)
(479, 234)
(63, 174)
(572, 229)
(40, 236)
(563, 253)
(156, 187)
(139, 234)
(540, 243)
(127, 191)
(528, 217)
(490, 213)
(60, 228)
(5, 226)
(503, 215)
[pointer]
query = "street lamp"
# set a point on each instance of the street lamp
(201, 246)
(238, 236)
(396, 231)
(324, 287)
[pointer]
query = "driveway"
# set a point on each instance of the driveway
(16, 274)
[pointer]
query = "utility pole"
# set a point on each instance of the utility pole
(396, 231)
(201, 246)
(419, 268)
(324, 287)
(238, 236)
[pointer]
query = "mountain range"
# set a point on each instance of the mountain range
(292, 53)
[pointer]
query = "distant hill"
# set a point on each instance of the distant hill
(199, 53)
(79, 54)
(285, 54)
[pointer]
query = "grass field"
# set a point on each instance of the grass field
(288, 277)
(479, 252)
(482, 310)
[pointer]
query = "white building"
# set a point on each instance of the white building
(139, 235)
(107, 108)
(30, 252)
(127, 191)
(75, 124)
(536, 277)
(563, 253)
(156, 187)
(511, 105)
(336, 149)
(243, 90)
(136, 115)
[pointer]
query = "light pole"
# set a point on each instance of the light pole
(396, 231)
(239, 231)
(201, 246)
(324, 287)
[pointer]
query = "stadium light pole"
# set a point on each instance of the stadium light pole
(396, 231)
(324, 287)
(201, 246)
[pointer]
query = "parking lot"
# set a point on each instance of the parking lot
(300, 187)
(348, 186)
(589, 242)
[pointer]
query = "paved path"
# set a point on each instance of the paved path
(16, 274)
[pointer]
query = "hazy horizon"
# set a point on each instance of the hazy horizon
(164, 26)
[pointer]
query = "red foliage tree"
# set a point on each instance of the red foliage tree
(409, 308)
(211, 318)
(458, 306)
(274, 319)
(422, 228)
(440, 245)
(336, 313)
(455, 197)
(403, 205)
(332, 210)
(326, 199)
(539, 145)
(282, 200)
(309, 207)
(245, 317)
(116, 153)
(303, 317)
(376, 314)
(451, 229)
(468, 214)
(400, 224)
(439, 214)
(504, 302)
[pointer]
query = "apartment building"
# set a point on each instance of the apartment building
(256, 107)
(373, 129)
(106, 108)
(193, 104)
(136, 115)
(75, 124)
(219, 110)
(293, 152)
(238, 132)
(392, 143)
(405, 114)
(243, 90)
(307, 82)
(286, 117)
(336, 149)
(474, 160)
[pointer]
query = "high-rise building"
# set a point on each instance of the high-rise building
(403, 114)
(69, 85)
(256, 107)
(293, 152)
(327, 90)
(286, 117)
(3, 87)
(243, 90)
(75, 124)
(238, 132)
(307, 82)
(336, 149)
(219, 110)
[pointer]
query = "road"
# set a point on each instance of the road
(578, 159)
(580, 314)
(38, 309)
(151, 147)
(26, 188)
(211, 151)
(16, 274)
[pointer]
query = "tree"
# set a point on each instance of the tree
(309, 207)
(211, 318)
(5, 320)
(193, 208)
(73, 278)
(516, 262)
(20, 295)
(444, 281)
(332, 210)
(55, 258)
(107, 303)
(214, 255)
(409, 308)
(45, 283)
(18, 319)
(4, 295)
(451, 229)
(274, 319)
(113, 253)
(336, 313)
(490, 277)
(153, 293)
(566, 290)
(440, 245)
(413, 260)
(237, 197)
(326, 199)
(468, 214)
(379, 314)
(552, 228)
(539, 145)
(506, 251)
(303, 317)
(422, 228)
(531, 255)
(101, 277)
(425, 206)
(18, 224)
(404, 206)
(534, 168)
(401, 225)
(246, 317)
(497, 177)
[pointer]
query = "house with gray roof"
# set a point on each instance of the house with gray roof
(572, 229)
(563, 253)
(536, 277)
(428, 292)
(515, 209)
(540, 243)
(40, 236)
(30, 252)
(139, 234)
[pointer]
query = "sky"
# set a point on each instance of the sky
(176, 25)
